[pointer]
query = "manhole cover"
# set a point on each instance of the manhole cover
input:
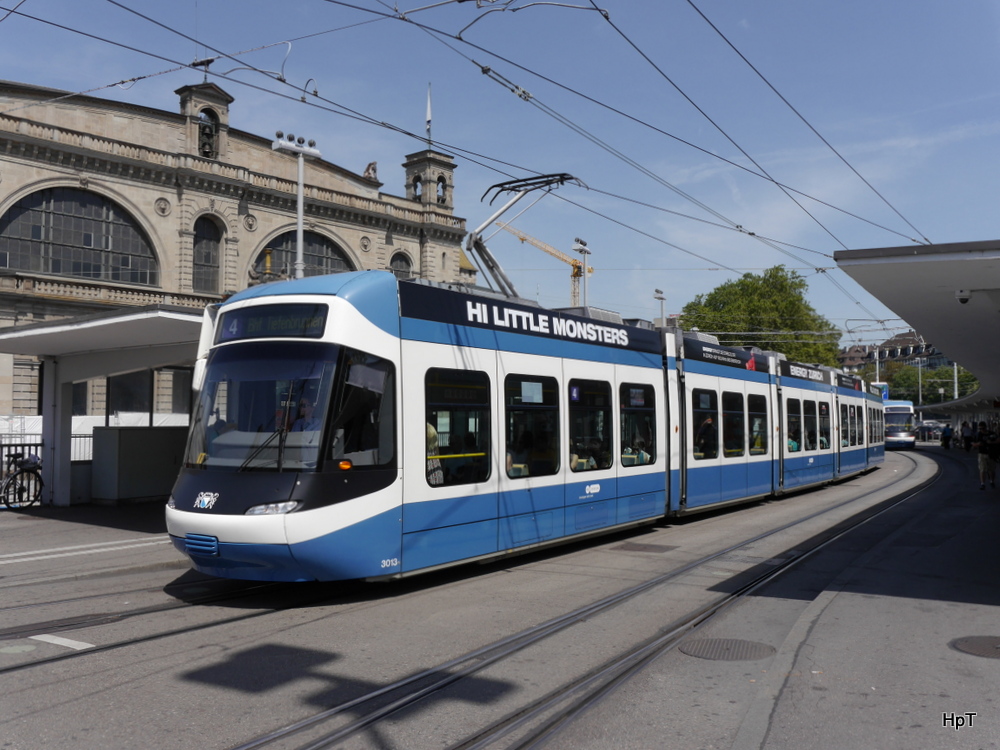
(727, 649)
(979, 645)
(638, 547)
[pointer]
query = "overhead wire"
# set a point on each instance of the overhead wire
(714, 124)
(732, 225)
(704, 114)
(340, 108)
(806, 122)
(334, 108)
(524, 95)
(9, 12)
(621, 113)
(358, 115)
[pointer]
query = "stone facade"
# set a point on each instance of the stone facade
(166, 172)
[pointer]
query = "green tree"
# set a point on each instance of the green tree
(769, 311)
(907, 383)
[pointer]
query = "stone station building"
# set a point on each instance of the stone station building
(106, 205)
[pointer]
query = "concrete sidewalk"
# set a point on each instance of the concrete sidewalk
(902, 649)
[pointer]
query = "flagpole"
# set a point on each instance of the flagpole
(428, 115)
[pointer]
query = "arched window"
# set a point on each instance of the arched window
(320, 255)
(401, 266)
(208, 134)
(207, 243)
(72, 232)
(442, 194)
(418, 187)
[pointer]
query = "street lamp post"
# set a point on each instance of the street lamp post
(302, 150)
(659, 296)
(581, 247)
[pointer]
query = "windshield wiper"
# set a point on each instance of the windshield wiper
(281, 432)
(256, 451)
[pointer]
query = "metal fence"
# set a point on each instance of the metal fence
(81, 446)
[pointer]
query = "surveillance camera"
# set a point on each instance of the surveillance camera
(963, 295)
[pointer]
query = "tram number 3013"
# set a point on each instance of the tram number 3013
(392, 562)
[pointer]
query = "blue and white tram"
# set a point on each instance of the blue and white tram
(729, 451)
(809, 450)
(356, 426)
(853, 403)
(900, 425)
(875, 399)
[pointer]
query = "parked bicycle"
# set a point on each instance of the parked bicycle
(22, 484)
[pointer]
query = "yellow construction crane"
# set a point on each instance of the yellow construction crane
(575, 275)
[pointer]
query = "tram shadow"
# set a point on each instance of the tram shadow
(269, 667)
(938, 546)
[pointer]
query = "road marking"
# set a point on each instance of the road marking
(84, 549)
(75, 645)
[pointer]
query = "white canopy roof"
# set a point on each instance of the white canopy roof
(111, 343)
(925, 285)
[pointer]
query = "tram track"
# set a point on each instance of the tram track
(102, 618)
(97, 619)
(533, 722)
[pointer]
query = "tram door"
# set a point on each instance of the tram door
(449, 399)
(531, 443)
(592, 440)
(703, 480)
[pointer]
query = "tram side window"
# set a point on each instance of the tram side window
(845, 426)
(704, 414)
(824, 424)
(757, 410)
(532, 413)
(363, 418)
(809, 425)
(794, 408)
(590, 421)
(852, 433)
(638, 414)
(458, 426)
(733, 422)
(859, 428)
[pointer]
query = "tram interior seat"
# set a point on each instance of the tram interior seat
(638, 458)
(518, 470)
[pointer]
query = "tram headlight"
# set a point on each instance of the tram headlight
(272, 509)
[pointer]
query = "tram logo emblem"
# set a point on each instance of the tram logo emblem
(592, 489)
(206, 500)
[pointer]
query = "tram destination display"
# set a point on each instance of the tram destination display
(273, 321)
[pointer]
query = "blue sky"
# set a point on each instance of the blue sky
(905, 91)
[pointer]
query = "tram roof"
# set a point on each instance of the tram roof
(924, 285)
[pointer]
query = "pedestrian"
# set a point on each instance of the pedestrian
(946, 434)
(967, 435)
(987, 444)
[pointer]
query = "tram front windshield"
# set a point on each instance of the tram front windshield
(898, 421)
(262, 405)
